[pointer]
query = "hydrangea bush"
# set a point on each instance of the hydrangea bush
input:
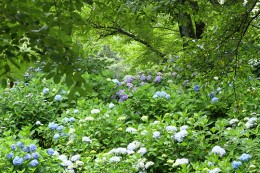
(142, 123)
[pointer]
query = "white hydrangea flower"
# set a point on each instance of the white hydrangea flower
(38, 123)
(131, 130)
(119, 150)
(75, 111)
(86, 139)
(171, 128)
(215, 170)
(142, 150)
(89, 119)
(219, 151)
(70, 170)
(156, 134)
(111, 105)
(115, 159)
(156, 122)
(66, 163)
(185, 127)
(251, 122)
(75, 157)
(180, 135)
(148, 164)
(181, 162)
(63, 157)
(144, 132)
(133, 145)
(95, 111)
(79, 163)
(233, 121)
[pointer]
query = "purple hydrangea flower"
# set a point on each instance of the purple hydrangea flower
(123, 97)
(149, 77)
(129, 80)
(158, 79)
(143, 77)
(130, 85)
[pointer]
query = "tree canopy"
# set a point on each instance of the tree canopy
(64, 36)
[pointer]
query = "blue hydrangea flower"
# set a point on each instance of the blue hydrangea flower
(27, 156)
(45, 90)
(17, 161)
(218, 89)
(60, 128)
(158, 79)
(50, 151)
(20, 144)
(32, 147)
(65, 120)
(58, 98)
(56, 136)
(167, 96)
(236, 164)
(245, 157)
(9, 155)
(34, 163)
(196, 88)
(53, 126)
(13, 146)
(214, 100)
(75, 111)
(36, 155)
(211, 95)
(72, 119)
(155, 96)
(26, 149)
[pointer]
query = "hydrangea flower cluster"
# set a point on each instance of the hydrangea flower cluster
(59, 128)
(181, 161)
(143, 165)
(45, 90)
(251, 122)
(196, 88)
(161, 94)
(219, 151)
(30, 155)
(72, 163)
(215, 170)
(244, 158)
(121, 95)
(179, 136)
(58, 98)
